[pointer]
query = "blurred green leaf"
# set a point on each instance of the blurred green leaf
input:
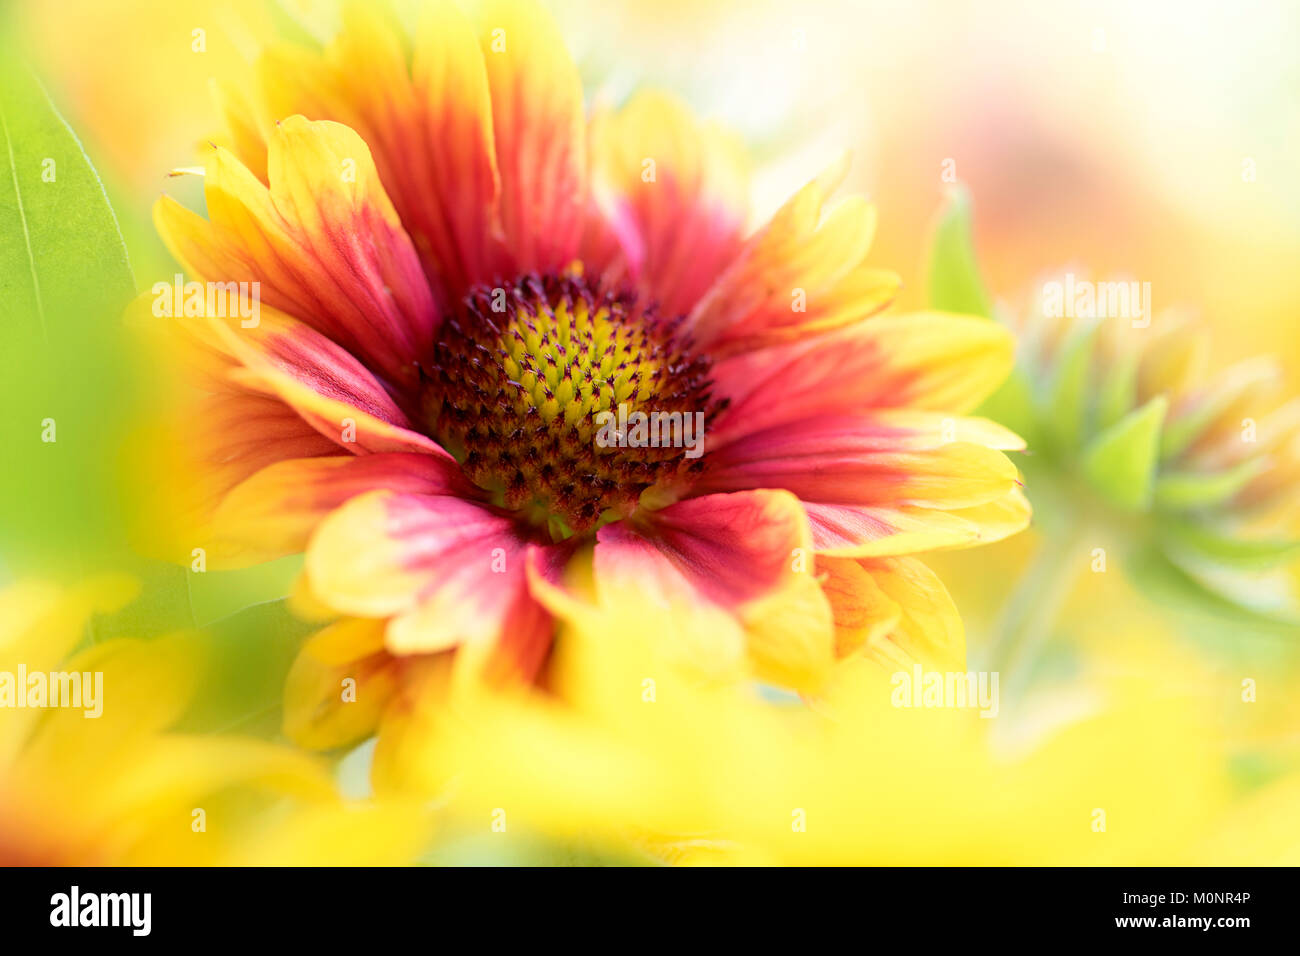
(1118, 392)
(1267, 592)
(1013, 405)
(1221, 545)
(248, 655)
(68, 370)
(463, 847)
(64, 277)
(218, 594)
(163, 606)
(952, 272)
(1121, 462)
(1065, 396)
(1229, 607)
(1181, 491)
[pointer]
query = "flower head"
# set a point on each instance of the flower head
(473, 300)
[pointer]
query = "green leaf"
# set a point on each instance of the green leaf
(60, 245)
(1216, 616)
(1270, 593)
(219, 594)
(1183, 491)
(1064, 398)
(1012, 405)
(1121, 462)
(952, 272)
(247, 657)
(163, 606)
(1220, 545)
(1118, 391)
(69, 374)
(64, 368)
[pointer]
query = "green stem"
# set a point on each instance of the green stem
(1031, 613)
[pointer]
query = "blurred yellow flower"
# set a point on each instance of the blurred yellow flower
(106, 784)
(1127, 767)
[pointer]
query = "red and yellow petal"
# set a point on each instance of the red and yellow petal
(219, 433)
(894, 611)
(446, 571)
(322, 382)
(860, 530)
(746, 554)
(927, 361)
(274, 512)
(455, 209)
(883, 457)
(428, 117)
(517, 652)
(323, 242)
(682, 186)
(539, 131)
(426, 113)
(226, 437)
(798, 274)
(866, 479)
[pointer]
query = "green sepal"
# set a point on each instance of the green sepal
(1121, 462)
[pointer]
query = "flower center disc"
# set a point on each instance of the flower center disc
(521, 376)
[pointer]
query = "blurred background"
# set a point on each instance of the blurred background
(1159, 141)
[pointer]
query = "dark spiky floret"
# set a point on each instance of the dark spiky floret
(522, 372)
